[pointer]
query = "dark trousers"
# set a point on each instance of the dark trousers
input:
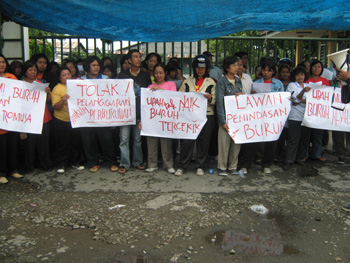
(250, 150)
(91, 136)
(281, 144)
(247, 155)
(13, 146)
(298, 141)
(202, 146)
(213, 148)
(39, 143)
(68, 145)
(3, 154)
(339, 143)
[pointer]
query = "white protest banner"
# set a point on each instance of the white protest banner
(172, 114)
(258, 117)
(101, 102)
(22, 105)
(324, 110)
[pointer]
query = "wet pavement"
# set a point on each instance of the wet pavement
(80, 216)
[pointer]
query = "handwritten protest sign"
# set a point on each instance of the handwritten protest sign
(258, 117)
(171, 114)
(324, 109)
(22, 105)
(101, 102)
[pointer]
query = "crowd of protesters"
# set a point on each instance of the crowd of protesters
(59, 146)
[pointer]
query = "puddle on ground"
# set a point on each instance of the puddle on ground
(233, 242)
(283, 222)
(247, 245)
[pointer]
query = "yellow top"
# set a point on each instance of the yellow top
(56, 96)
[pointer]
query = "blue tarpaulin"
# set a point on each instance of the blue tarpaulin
(176, 20)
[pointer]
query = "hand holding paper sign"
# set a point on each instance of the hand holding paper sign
(261, 87)
(208, 96)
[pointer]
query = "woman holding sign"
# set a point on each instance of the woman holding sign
(200, 82)
(9, 141)
(228, 85)
(39, 142)
(91, 136)
(298, 135)
(68, 140)
(316, 70)
(269, 71)
(159, 74)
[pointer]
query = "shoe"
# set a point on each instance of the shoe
(179, 172)
(222, 172)
(3, 180)
(94, 169)
(151, 169)
(286, 166)
(17, 175)
(60, 170)
(233, 171)
(346, 207)
(321, 159)
(200, 171)
(114, 168)
(341, 160)
(171, 170)
(78, 167)
(244, 170)
(267, 170)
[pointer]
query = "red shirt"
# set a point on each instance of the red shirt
(320, 79)
(199, 84)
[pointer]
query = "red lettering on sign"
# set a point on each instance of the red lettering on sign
(263, 129)
(318, 110)
(16, 117)
(26, 94)
(188, 104)
(2, 87)
(3, 102)
(320, 95)
(172, 127)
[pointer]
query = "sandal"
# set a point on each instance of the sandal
(94, 169)
(321, 159)
(141, 167)
(122, 170)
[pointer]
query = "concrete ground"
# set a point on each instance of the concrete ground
(80, 216)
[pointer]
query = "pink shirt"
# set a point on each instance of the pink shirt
(168, 85)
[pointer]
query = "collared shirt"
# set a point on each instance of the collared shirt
(297, 108)
(247, 83)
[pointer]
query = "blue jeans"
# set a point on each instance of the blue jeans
(137, 156)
